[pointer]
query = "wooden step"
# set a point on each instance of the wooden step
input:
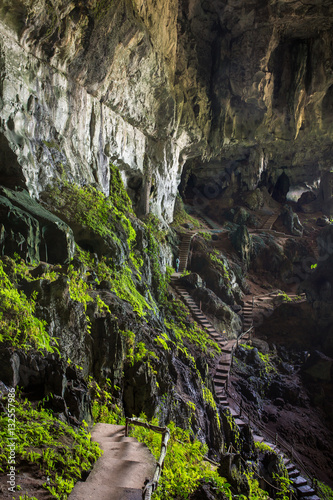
(293, 473)
(258, 439)
(240, 422)
(219, 383)
(305, 491)
(312, 497)
(234, 413)
(222, 372)
(299, 481)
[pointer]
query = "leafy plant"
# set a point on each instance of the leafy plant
(184, 466)
(59, 451)
(104, 407)
(19, 327)
(283, 483)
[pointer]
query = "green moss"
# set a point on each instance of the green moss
(324, 491)
(78, 287)
(220, 264)
(48, 444)
(19, 327)
(177, 323)
(262, 447)
(89, 207)
(256, 493)
(180, 216)
(160, 280)
(118, 194)
(204, 234)
(266, 360)
(100, 9)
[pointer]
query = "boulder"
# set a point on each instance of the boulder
(238, 215)
(291, 221)
(319, 367)
(242, 242)
(222, 316)
(254, 199)
(192, 280)
(10, 367)
(306, 198)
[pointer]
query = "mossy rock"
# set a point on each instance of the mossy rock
(31, 231)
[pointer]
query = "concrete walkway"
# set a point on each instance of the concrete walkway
(119, 474)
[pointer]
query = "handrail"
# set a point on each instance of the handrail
(291, 493)
(282, 444)
(243, 334)
(150, 486)
(280, 292)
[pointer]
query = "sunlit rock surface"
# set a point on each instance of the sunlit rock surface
(243, 86)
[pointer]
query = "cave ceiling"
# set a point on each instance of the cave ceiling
(156, 86)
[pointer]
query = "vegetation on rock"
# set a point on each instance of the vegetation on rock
(44, 443)
(19, 326)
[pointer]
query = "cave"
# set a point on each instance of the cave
(140, 135)
(11, 174)
(281, 188)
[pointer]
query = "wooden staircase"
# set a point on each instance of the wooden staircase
(184, 250)
(268, 223)
(221, 373)
(120, 473)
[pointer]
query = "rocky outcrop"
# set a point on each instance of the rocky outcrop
(242, 242)
(31, 231)
(221, 315)
(272, 94)
(95, 83)
(291, 221)
(216, 272)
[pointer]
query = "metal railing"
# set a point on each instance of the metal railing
(281, 444)
(292, 494)
(150, 486)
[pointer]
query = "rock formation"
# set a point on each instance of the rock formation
(109, 111)
(232, 90)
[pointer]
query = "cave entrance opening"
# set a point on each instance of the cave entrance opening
(11, 175)
(281, 188)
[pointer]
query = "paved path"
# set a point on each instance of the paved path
(119, 474)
